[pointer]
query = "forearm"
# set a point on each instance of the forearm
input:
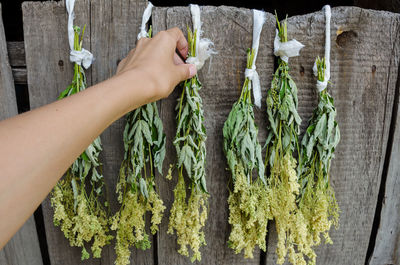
(37, 147)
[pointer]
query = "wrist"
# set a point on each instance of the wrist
(128, 90)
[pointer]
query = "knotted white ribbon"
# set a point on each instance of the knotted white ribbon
(82, 57)
(321, 85)
(204, 47)
(145, 19)
(259, 19)
(287, 49)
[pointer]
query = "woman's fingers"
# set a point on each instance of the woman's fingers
(177, 59)
(181, 42)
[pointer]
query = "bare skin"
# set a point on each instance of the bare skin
(37, 147)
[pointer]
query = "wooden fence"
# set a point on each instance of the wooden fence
(365, 80)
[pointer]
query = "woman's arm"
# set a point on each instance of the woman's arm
(37, 147)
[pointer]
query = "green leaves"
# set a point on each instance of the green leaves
(283, 117)
(144, 143)
(241, 146)
(190, 135)
(186, 157)
(143, 188)
(321, 137)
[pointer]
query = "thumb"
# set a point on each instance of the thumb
(185, 71)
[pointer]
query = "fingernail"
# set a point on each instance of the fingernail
(192, 70)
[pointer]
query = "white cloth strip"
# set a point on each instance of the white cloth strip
(288, 49)
(259, 19)
(145, 19)
(321, 85)
(203, 49)
(82, 57)
(71, 15)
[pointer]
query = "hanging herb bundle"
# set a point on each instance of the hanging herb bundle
(144, 143)
(78, 199)
(189, 213)
(281, 143)
(248, 206)
(317, 199)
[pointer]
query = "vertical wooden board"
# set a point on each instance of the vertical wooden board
(49, 73)
(231, 31)
(23, 247)
(8, 102)
(364, 69)
(114, 29)
(3, 259)
(386, 250)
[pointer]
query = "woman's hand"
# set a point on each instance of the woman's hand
(157, 61)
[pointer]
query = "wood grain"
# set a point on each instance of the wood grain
(364, 69)
(23, 247)
(16, 53)
(20, 76)
(231, 30)
(387, 242)
(16, 58)
(8, 102)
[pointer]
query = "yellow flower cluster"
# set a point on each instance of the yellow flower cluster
(82, 219)
(188, 219)
(130, 222)
(291, 226)
(320, 209)
(249, 212)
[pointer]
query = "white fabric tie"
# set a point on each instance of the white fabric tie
(321, 85)
(259, 19)
(82, 57)
(145, 19)
(204, 47)
(288, 49)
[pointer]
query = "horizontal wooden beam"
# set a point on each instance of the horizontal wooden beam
(19, 74)
(16, 53)
(16, 57)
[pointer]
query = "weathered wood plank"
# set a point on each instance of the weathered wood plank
(20, 76)
(231, 30)
(114, 28)
(23, 247)
(364, 69)
(49, 73)
(386, 249)
(8, 102)
(16, 53)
